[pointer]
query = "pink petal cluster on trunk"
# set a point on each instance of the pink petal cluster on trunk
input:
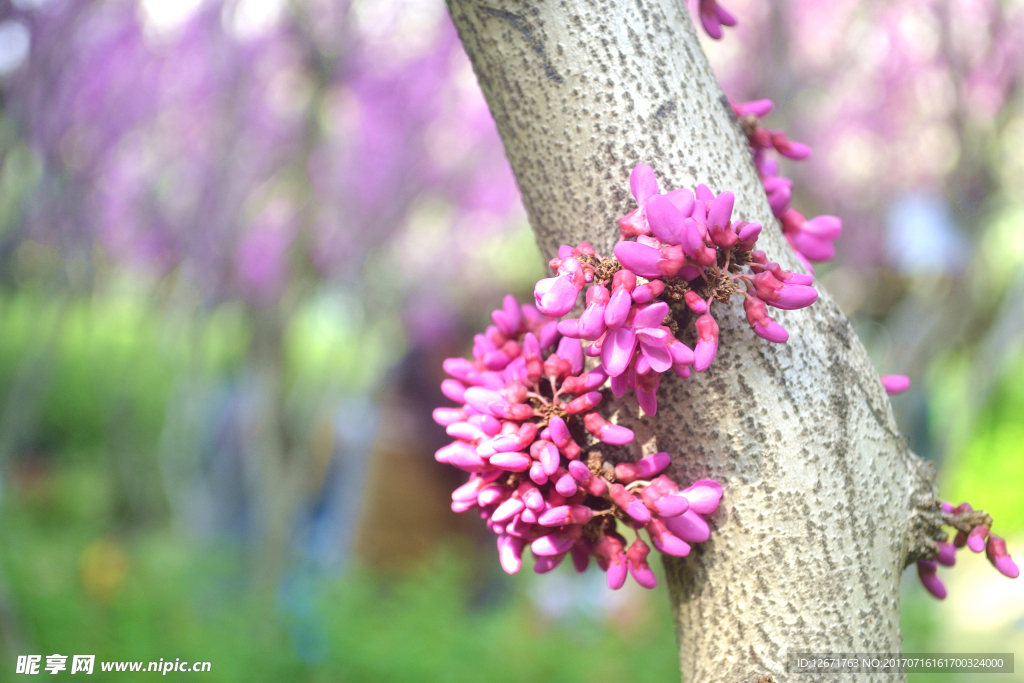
(978, 539)
(526, 408)
(673, 247)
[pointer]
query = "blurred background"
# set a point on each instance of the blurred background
(237, 237)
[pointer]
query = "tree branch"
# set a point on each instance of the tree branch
(823, 500)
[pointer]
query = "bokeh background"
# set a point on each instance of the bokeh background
(237, 237)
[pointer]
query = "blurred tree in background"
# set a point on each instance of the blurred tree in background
(269, 164)
(235, 242)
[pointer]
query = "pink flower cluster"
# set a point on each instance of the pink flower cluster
(972, 530)
(688, 253)
(811, 239)
(524, 412)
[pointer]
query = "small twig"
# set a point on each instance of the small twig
(966, 521)
(639, 483)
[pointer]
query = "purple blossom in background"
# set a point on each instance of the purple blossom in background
(897, 91)
(235, 152)
(277, 153)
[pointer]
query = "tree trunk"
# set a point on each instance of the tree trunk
(824, 504)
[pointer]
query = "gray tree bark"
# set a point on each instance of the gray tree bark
(824, 504)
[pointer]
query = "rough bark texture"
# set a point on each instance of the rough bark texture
(824, 504)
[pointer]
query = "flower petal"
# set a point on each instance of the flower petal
(650, 315)
(639, 258)
(617, 351)
(642, 183)
(665, 219)
(689, 526)
(704, 496)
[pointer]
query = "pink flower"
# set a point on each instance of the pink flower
(1000, 559)
(610, 557)
(976, 538)
(647, 291)
(606, 431)
(780, 192)
(764, 326)
(696, 304)
(895, 384)
(510, 552)
(644, 328)
(645, 381)
(707, 343)
(636, 558)
(555, 296)
(947, 554)
(643, 185)
(649, 261)
(813, 238)
(509, 317)
(927, 572)
(621, 300)
(758, 108)
(787, 296)
(591, 324)
(703, 495)
(586, 480)
(713, 17)
(789, 148)
(666, 218)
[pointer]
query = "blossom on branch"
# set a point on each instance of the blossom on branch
(973, 530)
(526, 412)
(811, 239)
(680, 252)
